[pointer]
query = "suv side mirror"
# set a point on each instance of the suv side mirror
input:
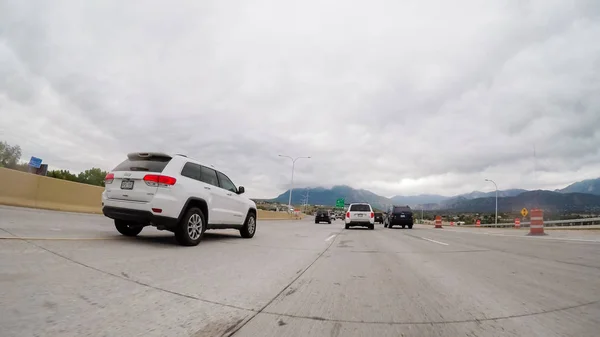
(241, 190)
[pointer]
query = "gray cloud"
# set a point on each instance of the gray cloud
(395, 97)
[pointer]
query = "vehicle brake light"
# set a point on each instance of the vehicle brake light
(109, 178)
(348, 215)
(372, 214)
(158, 180)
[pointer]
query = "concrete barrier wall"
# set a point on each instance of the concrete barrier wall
(30, 190)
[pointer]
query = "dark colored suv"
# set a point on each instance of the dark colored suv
(322, 216)
(379, 217)
(400, 216)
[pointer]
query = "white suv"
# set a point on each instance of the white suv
(360, 214)
(177, 194)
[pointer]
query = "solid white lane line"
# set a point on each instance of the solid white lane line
(524, 236)
(438, 242)
(331, 237)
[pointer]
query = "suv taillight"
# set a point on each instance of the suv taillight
(372, 214)
(156, 180)
(109, 178)
(348, 215)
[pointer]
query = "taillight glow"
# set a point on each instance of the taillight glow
(158, 180)
(109, 178)
(372, 214)
(348, 215)
(157, 210)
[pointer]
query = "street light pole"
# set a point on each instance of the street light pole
(493, 182)
(292, 183)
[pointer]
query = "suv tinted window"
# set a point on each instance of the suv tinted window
(360, 208)
(400, 209)
(152, 164)
(321, 212)
(225, 183)
(209, 176)
(192, 170)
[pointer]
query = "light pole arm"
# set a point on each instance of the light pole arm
(292, 182)
(496, 186)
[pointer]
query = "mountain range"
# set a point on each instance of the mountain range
(579, 196)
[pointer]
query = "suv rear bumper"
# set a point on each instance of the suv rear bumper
(360, 223)
(401, 222)
(140, 216)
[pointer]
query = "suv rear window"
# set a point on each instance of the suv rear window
(151, 164)
(400, 209)
(360, 208)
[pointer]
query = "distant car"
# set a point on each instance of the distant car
(322, 216)
(332, 216)
(379, 217)
(400, 216)
(360, 214)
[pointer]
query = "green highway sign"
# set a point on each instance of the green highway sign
(339, 203)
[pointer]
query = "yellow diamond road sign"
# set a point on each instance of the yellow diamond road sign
(524, 212)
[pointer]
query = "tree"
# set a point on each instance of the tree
(9, 155)
(62, 174)
(93, 176)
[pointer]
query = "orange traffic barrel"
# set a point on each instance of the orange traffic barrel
(517, 223)
(438, 221)
(537, 222)
(478, 223)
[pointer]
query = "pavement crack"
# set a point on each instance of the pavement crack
(127, 279)
(280, 293)
(474, 320)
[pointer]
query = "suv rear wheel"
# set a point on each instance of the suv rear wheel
(128, 228)
(249, 226)
(191, 228)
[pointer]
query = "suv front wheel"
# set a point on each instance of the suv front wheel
(127, 228)
(191, 229)
(249, 226)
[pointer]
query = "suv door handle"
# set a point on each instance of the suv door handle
(229, 194)
(206, 188)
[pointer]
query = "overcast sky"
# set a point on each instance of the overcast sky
(397, 97)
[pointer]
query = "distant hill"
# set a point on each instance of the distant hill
(591, 186)
(547, 200)
(435, 201)
(582, 196)
(501, 193)
(324, 196)
(413, 200)
(450, 202)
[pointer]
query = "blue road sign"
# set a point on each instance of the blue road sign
(35, 162)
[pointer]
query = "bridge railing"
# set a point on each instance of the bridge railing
(547, 223)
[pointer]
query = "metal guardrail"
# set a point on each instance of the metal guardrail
(547, 223)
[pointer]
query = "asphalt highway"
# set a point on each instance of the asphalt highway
(65, 274)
